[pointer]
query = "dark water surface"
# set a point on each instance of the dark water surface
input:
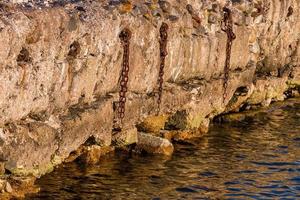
(258, 158)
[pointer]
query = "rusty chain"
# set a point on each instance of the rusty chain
(228, 29)
(163, 53)
(124, 36)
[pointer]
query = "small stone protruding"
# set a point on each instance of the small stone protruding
(178, 121)
(125, 7)
(125, 137)
(74, 49)
(8, 188)
(24, 56)
(153, 124)
(2, 168)
(191, 11)
(92, 154)
(165, 6)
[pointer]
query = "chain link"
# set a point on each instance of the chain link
(163, 53)
(228, 28)
(125, 36)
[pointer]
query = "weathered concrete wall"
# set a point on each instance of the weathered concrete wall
(61, 63)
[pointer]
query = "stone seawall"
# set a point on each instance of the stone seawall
(61, 67)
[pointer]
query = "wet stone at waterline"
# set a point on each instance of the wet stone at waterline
(257, 157)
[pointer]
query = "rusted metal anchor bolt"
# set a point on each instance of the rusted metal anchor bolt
(125, 37)
(228, 29)
(163, 53)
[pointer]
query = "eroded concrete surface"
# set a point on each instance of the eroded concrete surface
(61, 64)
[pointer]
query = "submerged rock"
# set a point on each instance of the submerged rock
(93, 154)
(15, 187)
(154, 145)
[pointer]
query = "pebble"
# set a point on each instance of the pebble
(114, 3)
(157, 13)
(2, 185)
(212, 18)
(258, 19)
(143, 9)
(125, 7)
(238, 18)
(215, 7)
(2, 168)
(195, 17)
(165, 6)
(190, 9)
(8, 187)
(173, 18)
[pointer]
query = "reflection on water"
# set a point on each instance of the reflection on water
(255, 159)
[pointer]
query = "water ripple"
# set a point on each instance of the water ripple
(257, 158)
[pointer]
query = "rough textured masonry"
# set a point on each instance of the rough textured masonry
(62, 70)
